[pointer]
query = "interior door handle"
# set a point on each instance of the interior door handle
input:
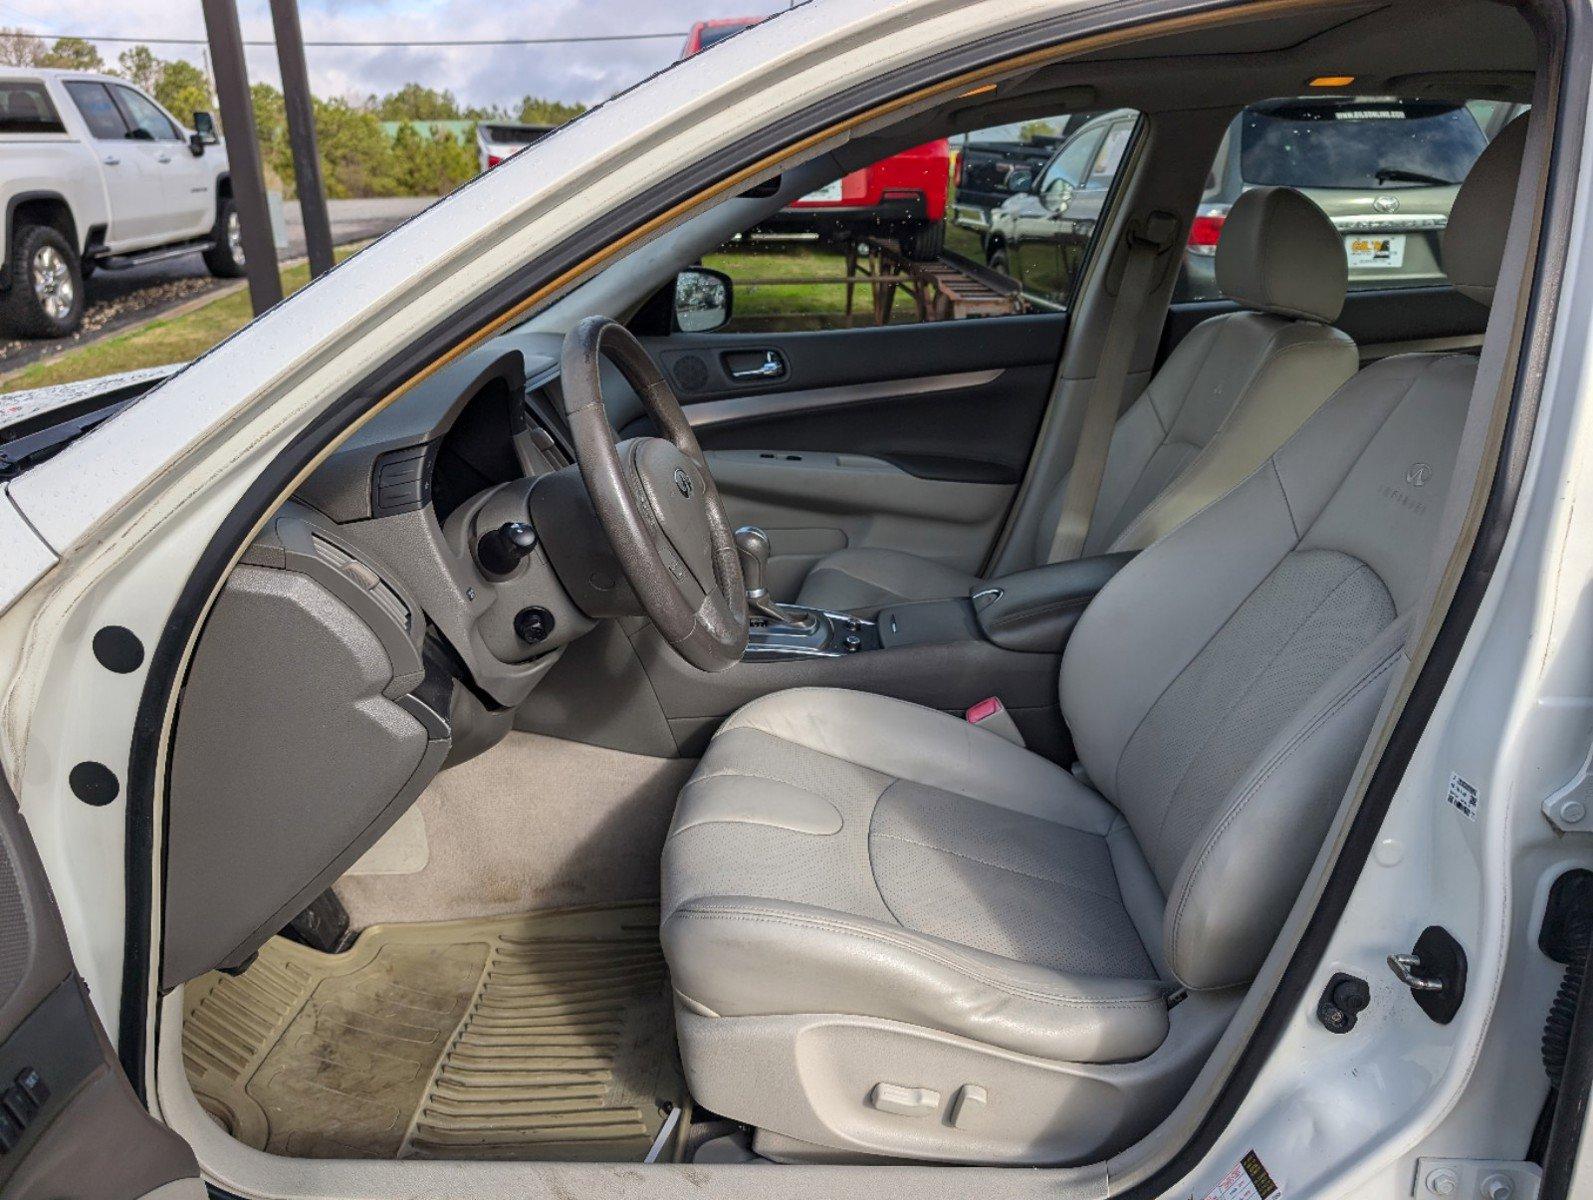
(772, 367)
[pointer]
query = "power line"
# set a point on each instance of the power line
(542, 41)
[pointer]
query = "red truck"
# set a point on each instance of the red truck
(901, 197)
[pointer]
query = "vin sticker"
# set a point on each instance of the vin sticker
(1247, 1181)
(1462, 796)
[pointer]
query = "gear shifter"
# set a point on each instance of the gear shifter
(752, 544)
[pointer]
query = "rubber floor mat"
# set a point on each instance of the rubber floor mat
(545, 1036)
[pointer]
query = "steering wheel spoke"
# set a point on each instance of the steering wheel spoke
(656, 500)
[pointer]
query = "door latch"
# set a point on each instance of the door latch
(1435, 973)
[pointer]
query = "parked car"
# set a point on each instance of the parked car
(497, 141)
(902, 197)
(1384, 170)
(982, 172)
(95, 175)
(1040, 233)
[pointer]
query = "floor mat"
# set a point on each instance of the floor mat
(547, 1036)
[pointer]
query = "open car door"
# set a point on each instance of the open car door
(70, 1123)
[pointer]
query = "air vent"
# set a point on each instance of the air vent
(690, 372)
(402, 481)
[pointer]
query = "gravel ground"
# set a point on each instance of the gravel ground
(119, 299)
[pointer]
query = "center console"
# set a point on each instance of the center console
(622, 686)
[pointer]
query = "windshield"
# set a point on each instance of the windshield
(1369, 144)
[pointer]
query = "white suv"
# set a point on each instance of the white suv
(95, 174)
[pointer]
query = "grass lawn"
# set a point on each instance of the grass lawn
(163, 340)
(777, 305)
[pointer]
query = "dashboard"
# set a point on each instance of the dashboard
(422, 495)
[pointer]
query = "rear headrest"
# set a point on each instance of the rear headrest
(1279, 253)
(1480, 217)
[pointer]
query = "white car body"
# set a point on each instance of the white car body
(110, 530)
(121, 195)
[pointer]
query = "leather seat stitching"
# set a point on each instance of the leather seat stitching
(1061, 999)
(1269, 358)
(1356, 567)
(1242, 801)
(994, 866)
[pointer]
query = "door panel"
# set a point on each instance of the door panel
(70, 1124)
(814, 503)
(908, 437)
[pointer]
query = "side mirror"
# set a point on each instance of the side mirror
(196, 144)
(1057, 196)
(1020, 181)
(205, 128)
(702, 300)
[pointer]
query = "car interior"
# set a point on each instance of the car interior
(644, 741)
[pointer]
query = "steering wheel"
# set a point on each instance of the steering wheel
(656, 500)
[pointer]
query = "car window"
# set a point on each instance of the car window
(1110, 156)
(99, 111)
(1073, 163)
(1384, 169)
(145, 117)
(940, 232)
(25, 108)
(1355, 143)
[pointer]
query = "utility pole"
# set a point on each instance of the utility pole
(243, 153)
(301, 134)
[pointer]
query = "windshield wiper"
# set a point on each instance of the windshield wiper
(1401, 175)
(30, 448)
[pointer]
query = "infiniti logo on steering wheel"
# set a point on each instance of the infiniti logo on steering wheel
(683, 482)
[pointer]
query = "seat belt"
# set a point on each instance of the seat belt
(1147, 241)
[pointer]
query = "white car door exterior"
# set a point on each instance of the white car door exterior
(133, 183)
(189, 208)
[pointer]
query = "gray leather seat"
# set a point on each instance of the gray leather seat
(893, 932)
(1230, 394)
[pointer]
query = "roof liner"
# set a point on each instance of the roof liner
(1461, 49)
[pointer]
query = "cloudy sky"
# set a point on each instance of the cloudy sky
(477, 74)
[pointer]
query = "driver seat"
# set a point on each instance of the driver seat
(894, 933)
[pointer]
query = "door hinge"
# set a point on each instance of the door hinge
(1476, 1179)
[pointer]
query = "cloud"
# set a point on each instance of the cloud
(483, 75)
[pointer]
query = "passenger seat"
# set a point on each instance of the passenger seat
(1233, 391)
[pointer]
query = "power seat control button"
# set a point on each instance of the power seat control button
(31, 1082)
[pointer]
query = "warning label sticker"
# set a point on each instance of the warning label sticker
(1247, 1181)
(1463, 796)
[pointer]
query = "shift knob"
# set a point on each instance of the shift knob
(752, 544)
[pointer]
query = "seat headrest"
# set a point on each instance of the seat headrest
(1473, 245)
(1279, 253)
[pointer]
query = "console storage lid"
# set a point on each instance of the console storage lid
(1036, 610)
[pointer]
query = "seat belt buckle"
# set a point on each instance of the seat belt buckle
(991, 714)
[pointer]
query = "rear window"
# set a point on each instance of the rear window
(25, 108)
(99, 111)
(1362, 143)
